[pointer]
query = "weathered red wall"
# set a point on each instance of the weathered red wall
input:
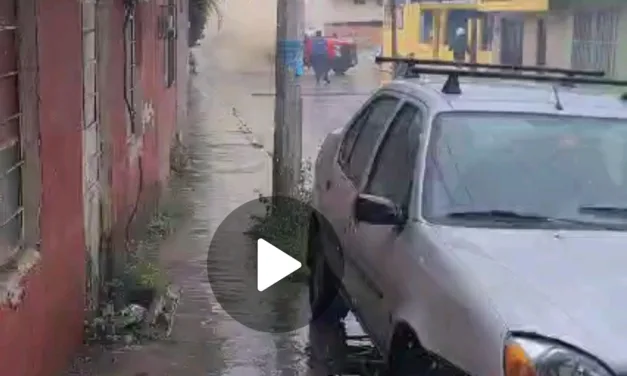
(156, 140)
(41, 335)
(165, 100)
(123, 176)
(38, 338)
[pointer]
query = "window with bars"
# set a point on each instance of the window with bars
(130, 62)
(11, 209)
(170, 35)
(11, 159)
(90, 65)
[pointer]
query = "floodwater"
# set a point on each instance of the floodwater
(230, 141)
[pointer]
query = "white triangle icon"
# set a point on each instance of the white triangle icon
(273, 265)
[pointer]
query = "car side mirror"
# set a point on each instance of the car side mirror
(377, 210)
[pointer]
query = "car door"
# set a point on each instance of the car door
(356, 148)
(391, 177)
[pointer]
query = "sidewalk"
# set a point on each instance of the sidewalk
(189, 350)
(229, 165)
(225, 171)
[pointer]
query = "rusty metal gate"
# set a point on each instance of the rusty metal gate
(11, 161)
(594, 40)
(512, 31)
(91, 147)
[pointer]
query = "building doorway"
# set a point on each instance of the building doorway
(541, 42)
(512, 41)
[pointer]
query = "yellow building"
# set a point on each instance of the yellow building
(425, 27)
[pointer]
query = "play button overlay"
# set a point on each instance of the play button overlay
(273, 265)
(258, 267)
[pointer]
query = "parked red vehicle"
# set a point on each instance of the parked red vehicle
(342, 54)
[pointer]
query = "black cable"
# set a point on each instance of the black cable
(130, 6)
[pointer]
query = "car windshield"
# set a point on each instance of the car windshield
(486, 165)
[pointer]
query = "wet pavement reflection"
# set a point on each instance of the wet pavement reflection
(228, 169)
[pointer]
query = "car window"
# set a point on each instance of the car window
(392, 173)
(351, 136)
(544, 165)
(380, 112)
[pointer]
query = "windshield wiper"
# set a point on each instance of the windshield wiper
(516, 217)
(610, 211)
(499, 215)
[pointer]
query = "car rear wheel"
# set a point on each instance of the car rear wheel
(339, 71)
(324, 299)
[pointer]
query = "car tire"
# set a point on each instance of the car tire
(324, 299)
(407, 357)
(340, 71)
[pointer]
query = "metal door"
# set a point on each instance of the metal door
(91, 149)
(512, 41)
(595, 35)
(541, 42)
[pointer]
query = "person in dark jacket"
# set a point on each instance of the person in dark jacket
(320, 61)
(306, 51)
(459, 45)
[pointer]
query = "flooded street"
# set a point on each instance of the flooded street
(230, 143)
(230, 166)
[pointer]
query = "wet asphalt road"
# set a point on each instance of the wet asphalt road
(229, 168)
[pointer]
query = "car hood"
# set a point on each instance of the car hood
(567, 285)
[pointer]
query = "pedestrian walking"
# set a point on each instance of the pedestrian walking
(320, 57)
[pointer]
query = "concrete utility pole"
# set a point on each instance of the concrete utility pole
(288, 113)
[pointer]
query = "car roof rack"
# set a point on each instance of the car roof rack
(411, 63)
(566, 77)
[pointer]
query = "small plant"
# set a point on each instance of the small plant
(127, 298)
(285, 223)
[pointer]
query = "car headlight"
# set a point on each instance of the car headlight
(537, 357)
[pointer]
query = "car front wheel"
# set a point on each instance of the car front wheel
(407, 357)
